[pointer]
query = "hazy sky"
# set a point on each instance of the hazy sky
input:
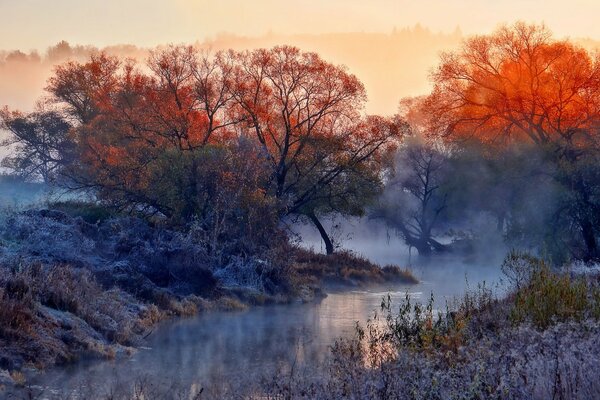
(36, 24)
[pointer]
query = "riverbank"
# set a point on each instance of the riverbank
(537, 340)
(540, 340)
(73, 289)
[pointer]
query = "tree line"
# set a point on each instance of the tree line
(239, 140)
(235, 138)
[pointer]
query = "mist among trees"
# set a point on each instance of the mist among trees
(508, 134)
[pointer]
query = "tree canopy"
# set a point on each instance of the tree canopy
(517, 84)
(315, 151)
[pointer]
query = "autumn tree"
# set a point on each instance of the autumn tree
(521, 86)
(84, 88)
(302, 116)
(324, 155)
(514, 85)
(129, 117)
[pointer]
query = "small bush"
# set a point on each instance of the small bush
(549, 298)
(418, 326)
(518, 267)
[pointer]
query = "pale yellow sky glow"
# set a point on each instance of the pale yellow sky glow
(355, 33)
(36, 24)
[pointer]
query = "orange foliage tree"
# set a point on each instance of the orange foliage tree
(306, 114)
(517, 84)
(521, 86)
(302, 116)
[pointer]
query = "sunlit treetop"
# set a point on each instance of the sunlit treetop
(517, 84)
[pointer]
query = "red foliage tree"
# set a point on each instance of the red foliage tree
(517, 84)
(303, 116)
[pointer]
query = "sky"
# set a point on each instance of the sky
(37, 24)
(369, 37)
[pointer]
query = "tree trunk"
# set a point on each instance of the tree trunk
(323, 232)
(418, 242)
(423, 247)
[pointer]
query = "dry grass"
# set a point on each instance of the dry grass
(53, 315)
(227, 303)
(16, 311)
(346, 268)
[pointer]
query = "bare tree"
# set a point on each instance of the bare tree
(39, 141)
(414, 200)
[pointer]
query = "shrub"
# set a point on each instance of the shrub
(518, 267)
(419, 326)
(549, 297)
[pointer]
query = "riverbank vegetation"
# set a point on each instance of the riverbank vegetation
(71, 288)
(537, 340)
(179, 176)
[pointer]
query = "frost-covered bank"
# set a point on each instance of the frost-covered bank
(541, 341)
(71, 287)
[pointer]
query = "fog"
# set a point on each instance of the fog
(16, 194)
(447, 213)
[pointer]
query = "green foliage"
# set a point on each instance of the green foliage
(543, 297)
(218, 192)
(415, 326)
(549, 298)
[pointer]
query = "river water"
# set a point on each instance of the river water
(236, 345)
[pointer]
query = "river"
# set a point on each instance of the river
(238, 345)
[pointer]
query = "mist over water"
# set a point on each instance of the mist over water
(447, 275)
(16, 194)
(264, 341)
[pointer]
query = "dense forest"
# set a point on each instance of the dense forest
(174, 183)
